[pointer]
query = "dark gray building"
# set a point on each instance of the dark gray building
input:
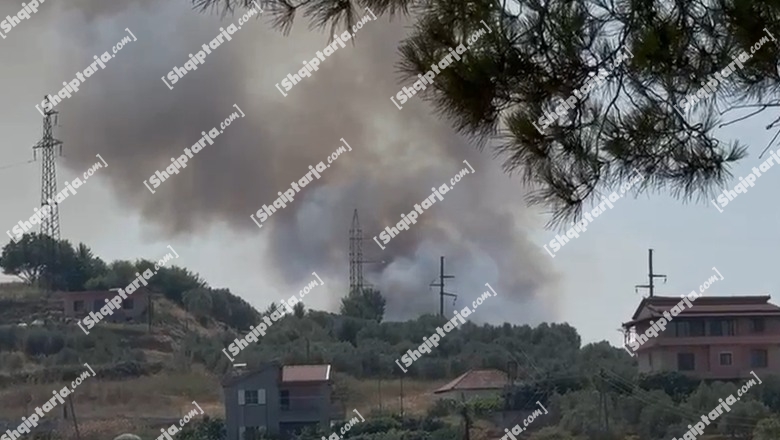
(279, 400)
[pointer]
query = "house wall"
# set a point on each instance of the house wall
(660, 353)
(309, 403)
(140, 303)
(253, 415)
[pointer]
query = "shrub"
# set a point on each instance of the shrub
(442, 408)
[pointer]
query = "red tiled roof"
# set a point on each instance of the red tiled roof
(476, 380)
(305, 373)
(708, 306)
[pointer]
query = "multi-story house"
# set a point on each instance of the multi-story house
(717, 338)
(279, 400)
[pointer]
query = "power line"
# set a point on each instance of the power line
(3, 167)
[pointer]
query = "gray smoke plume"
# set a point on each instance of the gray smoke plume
(126, 113)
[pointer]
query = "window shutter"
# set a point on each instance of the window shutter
(261, 397)
(241, 431)
(241, 398)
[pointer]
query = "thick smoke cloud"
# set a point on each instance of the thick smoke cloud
(127, 114)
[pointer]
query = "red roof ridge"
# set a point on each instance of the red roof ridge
(482, 377)
(707, 305)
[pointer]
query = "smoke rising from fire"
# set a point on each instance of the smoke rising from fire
(127, 114)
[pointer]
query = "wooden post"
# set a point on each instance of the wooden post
(73, 413)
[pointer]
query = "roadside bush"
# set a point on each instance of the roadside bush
(43, 342)
(442, 408)
(12, 362)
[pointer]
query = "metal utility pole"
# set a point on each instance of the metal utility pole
(50, 223)
(651, 276)
(442, 293)
(355, 255)
(50, 220)
(356, 260)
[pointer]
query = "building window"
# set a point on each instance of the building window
(682, 329)
(690, 328)
(685, 362)
(757, 325)
(720, 327)
(97, 304)
(758, 358)
(127, 304)
(697, 328)
(725, 358)
(716, 327)
(284, 400)
(251, 397)
(78, 305)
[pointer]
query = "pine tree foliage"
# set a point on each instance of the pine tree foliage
(539, 52)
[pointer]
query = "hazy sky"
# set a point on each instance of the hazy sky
(136, 123)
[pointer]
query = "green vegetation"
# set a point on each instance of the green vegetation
(616, 120)
(592, 392)
(39, 261)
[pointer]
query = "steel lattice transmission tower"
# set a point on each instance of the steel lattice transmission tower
(50, 224)
(355, 255)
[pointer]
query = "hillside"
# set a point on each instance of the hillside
(147, 376)
(151, 377)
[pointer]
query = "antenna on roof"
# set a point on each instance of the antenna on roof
(651, 276)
